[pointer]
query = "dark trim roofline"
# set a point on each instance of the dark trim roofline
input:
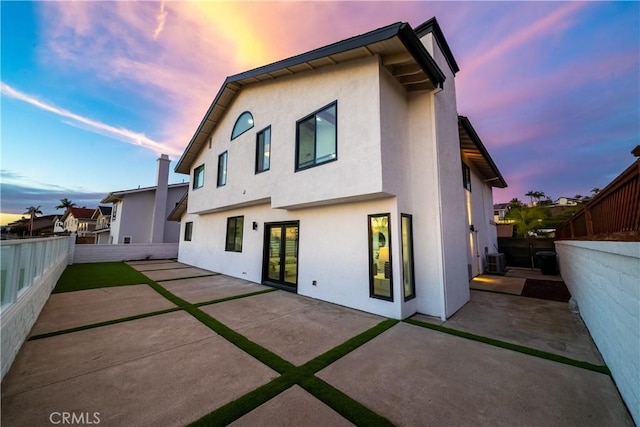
(432, 26)
(402, 30)
(466, 124)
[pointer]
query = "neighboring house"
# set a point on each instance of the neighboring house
(345, 174)
(79, 220)
(567, 201)
(102, 215)
(58, 224)
(500, 211)
(140, 215)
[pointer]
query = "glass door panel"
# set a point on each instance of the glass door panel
(291, 255)
(281, 254)
(275, 252)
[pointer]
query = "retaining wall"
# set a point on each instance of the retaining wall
(130, 252)
(604, 278)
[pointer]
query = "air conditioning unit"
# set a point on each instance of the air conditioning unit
(496, 264)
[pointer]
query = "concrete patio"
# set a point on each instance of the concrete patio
(161, 364)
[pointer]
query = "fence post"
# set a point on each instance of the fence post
(72, 248)
(587, 217)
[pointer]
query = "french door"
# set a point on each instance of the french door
(280, 261)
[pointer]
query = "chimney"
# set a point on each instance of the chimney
(159, 217)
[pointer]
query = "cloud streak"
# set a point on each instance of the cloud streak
(119, 133)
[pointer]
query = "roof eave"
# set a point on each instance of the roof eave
(466, 124)
(401, 30)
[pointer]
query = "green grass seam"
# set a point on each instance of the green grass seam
(343, 404)
(302, 375)
(250, 294)
(100, 324)
(515, 347)
(185, 278)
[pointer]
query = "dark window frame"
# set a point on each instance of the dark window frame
(230, 245)
(188, 231)
(261, 154)
(314, 114)
(372, 293)
(221, 180)
(466, 176)
(234, 135)
(412, 257)
(196, 172)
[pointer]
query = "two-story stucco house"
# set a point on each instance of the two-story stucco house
(344, 174)
(102, 215)
(79, 220)
(140, 215)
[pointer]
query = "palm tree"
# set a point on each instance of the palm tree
(33, 211)
(531, 194)
(65, 204)
(515, 203)
(525, 219)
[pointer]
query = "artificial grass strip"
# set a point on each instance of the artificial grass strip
(347, 347)
(515, 347)
(100, 324)
(349, 408)
(233, 410)
(250, 294)
(80, 277)
(188, 277)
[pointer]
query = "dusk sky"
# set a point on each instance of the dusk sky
(92, 92)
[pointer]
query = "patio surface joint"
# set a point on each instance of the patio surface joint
(514, 347)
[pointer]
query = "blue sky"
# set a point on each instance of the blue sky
(92, 92)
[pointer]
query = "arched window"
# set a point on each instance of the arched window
(243, 124)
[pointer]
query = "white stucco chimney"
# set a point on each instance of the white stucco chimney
(159, 217)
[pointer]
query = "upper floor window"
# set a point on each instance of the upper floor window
(198, 177)
(263, 150)
(243, 124)
(316, 138)
(222, 169)
(114, 211)
(466, 176)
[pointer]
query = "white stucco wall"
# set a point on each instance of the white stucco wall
(135, 251)
(604, 278)
(453, 218)
(279, 104)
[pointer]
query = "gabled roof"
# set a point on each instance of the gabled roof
(402, 53)
(432, 26)
(119, 195)
(475, 151)
(104, 210)
(79, 213)
(180, 209)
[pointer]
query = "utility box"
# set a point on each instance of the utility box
(496, 264)
(548, 263)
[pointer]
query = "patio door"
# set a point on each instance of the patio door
(280, 261)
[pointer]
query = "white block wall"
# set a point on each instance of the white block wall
(18, 319)
(134, 251)
(604, 278)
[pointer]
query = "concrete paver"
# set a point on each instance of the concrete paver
(294, 407)
(168, 388)
(208, 288)
(79, 308)
(178, 273)
(294, 327)
(544, 325)
(148, 261)
(167, 265)
(46, 361)
(415, 376)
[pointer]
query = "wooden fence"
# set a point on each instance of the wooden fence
(520, 252)
(613, 214)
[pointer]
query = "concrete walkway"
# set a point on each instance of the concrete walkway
(170, 368)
